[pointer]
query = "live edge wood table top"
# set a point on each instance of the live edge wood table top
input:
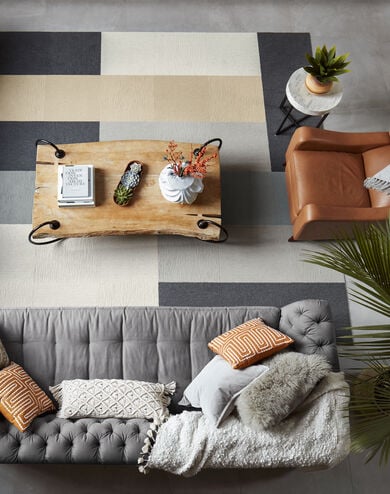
(147, 213)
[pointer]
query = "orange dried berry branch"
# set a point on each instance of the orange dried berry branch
(175, 158)
(196, 168)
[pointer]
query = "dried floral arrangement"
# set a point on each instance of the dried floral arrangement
(196, 166)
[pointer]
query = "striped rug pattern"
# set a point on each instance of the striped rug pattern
(78, 87)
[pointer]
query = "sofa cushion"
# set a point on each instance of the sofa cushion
(217, 386)
(327, 179)
(21, 399)
(374, 161)
(154, 344)
(53, 440)
(119, 398)
(291, 377)
(248, 343)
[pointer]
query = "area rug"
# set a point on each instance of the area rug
(77, 87)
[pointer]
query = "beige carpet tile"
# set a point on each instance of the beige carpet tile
(252, 254)
(100, 271)
(168, 53)
(124, 98)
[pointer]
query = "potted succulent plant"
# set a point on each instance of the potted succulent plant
(324, 68)
(129, 181)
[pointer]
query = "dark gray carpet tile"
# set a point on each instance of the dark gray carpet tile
(280, 55)
(254, 198)
(248, 294)
(35, 53)
(17, 150)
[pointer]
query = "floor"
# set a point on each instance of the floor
(353, 25)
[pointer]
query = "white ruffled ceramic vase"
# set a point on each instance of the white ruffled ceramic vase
(182, 190)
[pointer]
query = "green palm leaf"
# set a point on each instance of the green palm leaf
(366, 259)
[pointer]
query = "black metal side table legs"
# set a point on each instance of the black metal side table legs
(287, 108)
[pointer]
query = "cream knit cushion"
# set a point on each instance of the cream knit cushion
(103, 398)
(248, 343)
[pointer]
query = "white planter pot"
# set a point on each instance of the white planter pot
(182, 190)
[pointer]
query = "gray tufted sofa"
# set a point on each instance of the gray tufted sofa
(156, 344)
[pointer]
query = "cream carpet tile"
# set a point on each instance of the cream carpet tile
(109, 271)
(198, 54)
(252, 254)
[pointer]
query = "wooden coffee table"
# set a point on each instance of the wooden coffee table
(147, 213)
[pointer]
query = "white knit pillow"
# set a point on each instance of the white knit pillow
(103, 398)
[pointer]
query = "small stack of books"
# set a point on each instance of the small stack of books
(76, 185)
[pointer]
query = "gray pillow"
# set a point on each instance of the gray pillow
(4, 359)
(217, 386)
(290, 379)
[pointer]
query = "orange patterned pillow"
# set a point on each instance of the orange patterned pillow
(21, 399)
(249, 343)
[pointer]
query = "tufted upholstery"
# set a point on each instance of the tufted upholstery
(156, 344)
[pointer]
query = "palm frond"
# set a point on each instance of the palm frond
(370, 411)
(366, 259)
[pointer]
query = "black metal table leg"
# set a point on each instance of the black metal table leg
(296, 122)
(287, 114)
(322, 120)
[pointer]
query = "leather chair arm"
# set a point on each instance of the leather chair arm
(313, 139)
(324, 222)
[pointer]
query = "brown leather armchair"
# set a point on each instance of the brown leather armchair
(325, 171)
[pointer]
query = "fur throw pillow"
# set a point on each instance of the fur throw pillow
(272, 397)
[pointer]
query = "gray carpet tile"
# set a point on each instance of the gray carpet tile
(245, 144)
(248, 294)
(16, 196)
(254, 198)
(49, 53)
(17, 150)
(280, 55)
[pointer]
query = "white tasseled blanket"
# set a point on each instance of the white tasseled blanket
(380, 181)
(316, 435)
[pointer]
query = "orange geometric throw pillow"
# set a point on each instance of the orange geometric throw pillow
(21, 399)
(249, 343)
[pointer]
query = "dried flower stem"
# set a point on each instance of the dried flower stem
(195, 168)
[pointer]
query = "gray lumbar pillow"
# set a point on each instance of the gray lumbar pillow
(4, 359)
(291, 377)
(217, 386)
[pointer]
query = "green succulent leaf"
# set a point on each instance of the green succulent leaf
(325, 63)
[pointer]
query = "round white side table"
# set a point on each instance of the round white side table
(298, 97)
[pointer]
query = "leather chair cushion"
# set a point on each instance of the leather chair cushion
(327, 179)
(374, 161)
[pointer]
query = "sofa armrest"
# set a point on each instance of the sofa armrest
(316, 222)
(309, 323)
(313, 139)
